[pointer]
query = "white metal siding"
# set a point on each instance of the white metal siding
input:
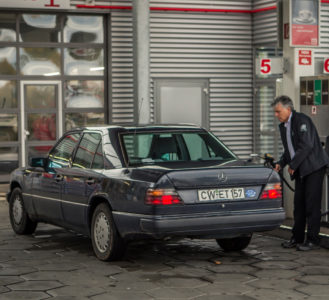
(265, 24)
(323, 50)
(213, 46)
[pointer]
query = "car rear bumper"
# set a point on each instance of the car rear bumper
(199, 225)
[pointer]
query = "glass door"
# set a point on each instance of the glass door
(41, 118)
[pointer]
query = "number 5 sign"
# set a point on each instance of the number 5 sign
(265, 66)
(269, 66)
(326, 65)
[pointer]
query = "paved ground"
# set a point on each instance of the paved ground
(56, 264)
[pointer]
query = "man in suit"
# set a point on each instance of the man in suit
(307, 161)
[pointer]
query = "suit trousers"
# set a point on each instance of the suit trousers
(307, 206)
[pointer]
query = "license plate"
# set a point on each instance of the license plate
(221, 194)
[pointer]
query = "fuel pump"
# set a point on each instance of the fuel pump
(314, 102)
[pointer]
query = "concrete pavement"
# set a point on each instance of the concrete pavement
(57, 264)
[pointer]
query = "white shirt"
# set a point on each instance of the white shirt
(288, 134)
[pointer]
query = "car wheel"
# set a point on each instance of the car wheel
(19, 219)
(106, 241)
(234, 244)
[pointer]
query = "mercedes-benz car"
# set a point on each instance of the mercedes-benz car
(116, 184)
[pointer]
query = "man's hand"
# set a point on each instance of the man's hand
(277, 168)
(291, 171)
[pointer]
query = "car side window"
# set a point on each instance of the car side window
(59, 157)
(87, 149)
(98, 162)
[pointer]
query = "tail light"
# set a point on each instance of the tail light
(272, 191)
(162, 197)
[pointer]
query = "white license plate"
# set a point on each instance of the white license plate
(221, 194)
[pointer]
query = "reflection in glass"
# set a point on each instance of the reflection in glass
(39, 28)
(40, 96)
(7, 60)
(7, 27)
(73, 120)
(8, 159)
(38, 151)
(8, 127)
(84, 93)
(40, 61)
(83, 29)
(8, 91)
(84, 61)
(41, 127)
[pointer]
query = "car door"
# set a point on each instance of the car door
(82, 179)
(48, 184)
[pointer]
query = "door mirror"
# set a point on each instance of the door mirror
(38, 162)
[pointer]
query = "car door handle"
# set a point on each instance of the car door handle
(90, 181)
(59, 178)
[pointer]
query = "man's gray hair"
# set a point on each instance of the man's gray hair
(284, 100)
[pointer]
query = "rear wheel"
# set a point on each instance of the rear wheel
(234, 244)
(106, 241)
(19, 219)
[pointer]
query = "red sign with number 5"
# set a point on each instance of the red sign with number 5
(265, 66)
(326, 65)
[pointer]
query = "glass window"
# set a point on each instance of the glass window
(197, 147)
(7, 27)
(8, 159)
(40, 96)
(40, 61)
(73, 120)
(39, 28)
(38, 151)
(8, 127)
(84, 61)
(86, 150)
(98, 162)
(84, 93)
(7, 60)
(8, 94)
(148, 148)
(60, 155)
(83, 29)
(41, 127)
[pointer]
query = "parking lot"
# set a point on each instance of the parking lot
(57, 264)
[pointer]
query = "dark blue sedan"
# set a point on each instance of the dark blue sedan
(116, 184)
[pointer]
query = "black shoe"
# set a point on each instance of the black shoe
(289, 244)
(307, 246)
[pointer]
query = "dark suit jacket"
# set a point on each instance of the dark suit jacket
(309, 154)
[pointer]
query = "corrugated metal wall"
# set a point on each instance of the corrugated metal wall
(265, 24)
(323, 50)
(213, 46)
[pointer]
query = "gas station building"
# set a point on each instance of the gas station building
(218, 64)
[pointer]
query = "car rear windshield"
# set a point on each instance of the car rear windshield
(154, 148)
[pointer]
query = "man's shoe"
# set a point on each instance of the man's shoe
(289, 244)
(307, 246)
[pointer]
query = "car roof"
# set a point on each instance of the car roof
(148, 127)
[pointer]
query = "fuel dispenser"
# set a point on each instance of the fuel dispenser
(314, 102)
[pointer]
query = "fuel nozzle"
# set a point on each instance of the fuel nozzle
(268, 160)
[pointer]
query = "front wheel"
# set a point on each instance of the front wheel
(19, 219)
(234, 244)
(106, 241)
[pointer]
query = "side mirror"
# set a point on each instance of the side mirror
(38, 162)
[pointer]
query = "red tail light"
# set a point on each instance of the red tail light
(272, 191)
(162, 197)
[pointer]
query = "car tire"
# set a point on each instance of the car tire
(234, 244)
(106, 241)
(19, 219)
